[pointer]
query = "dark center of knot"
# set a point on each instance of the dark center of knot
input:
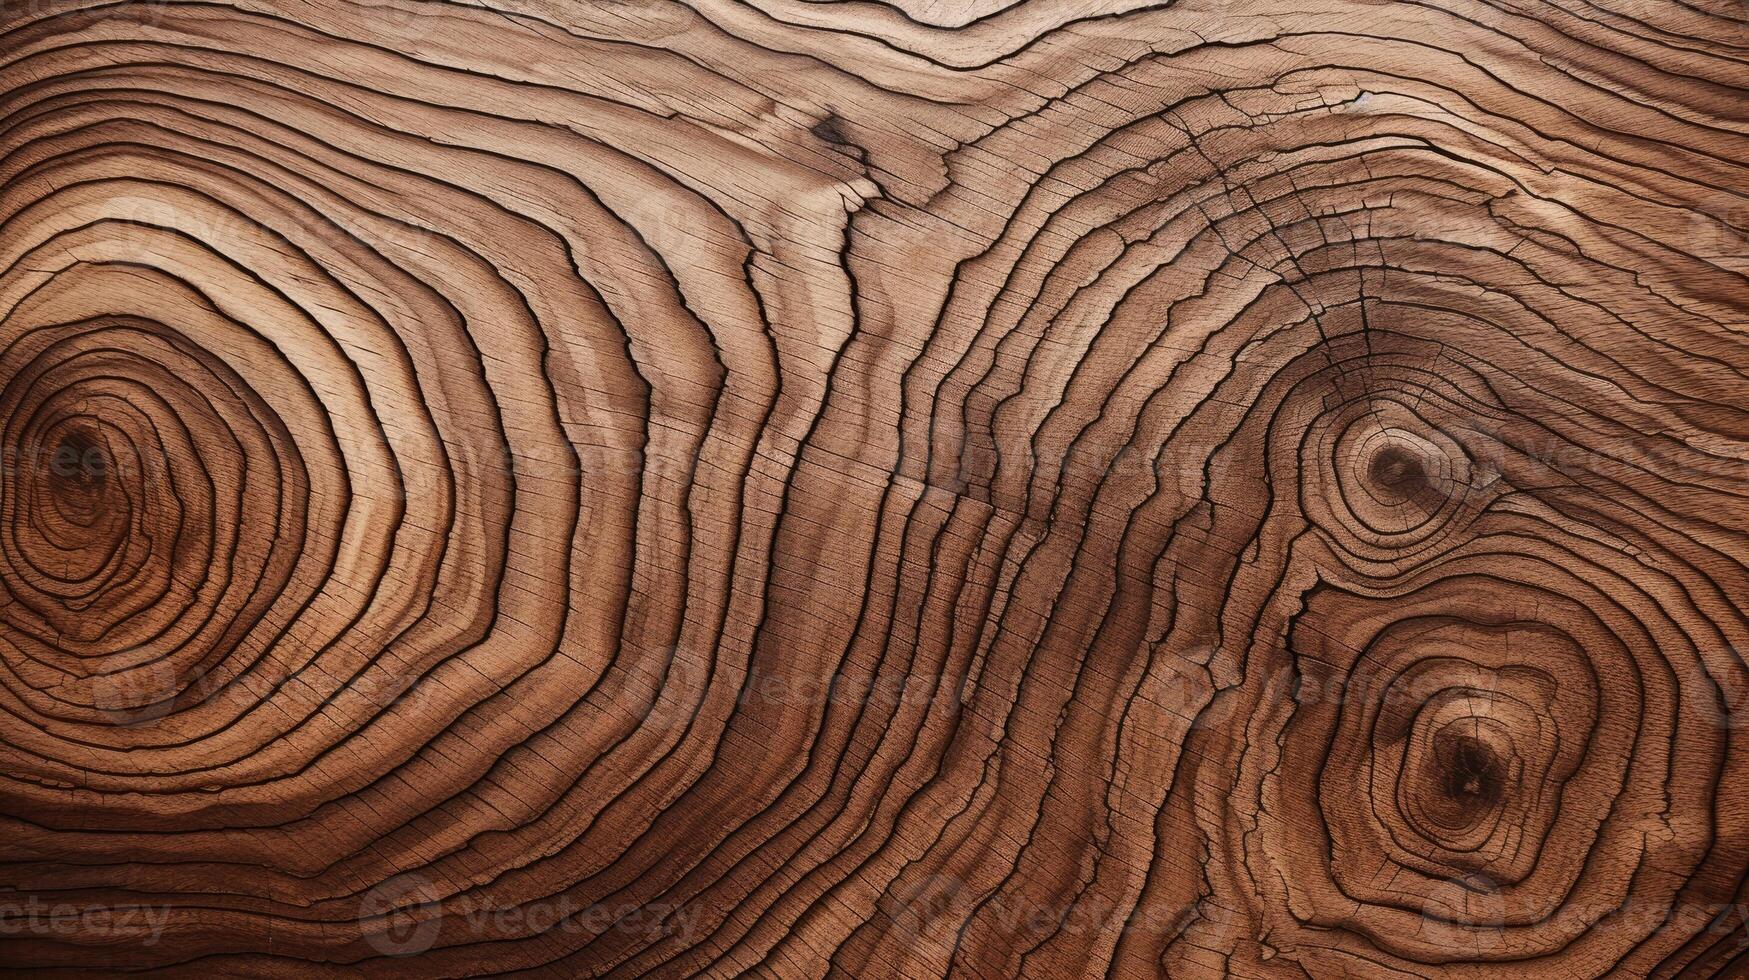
(1397, 469)
(1471, 771)
(79, 463)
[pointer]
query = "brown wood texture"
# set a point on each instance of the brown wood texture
(989, 488)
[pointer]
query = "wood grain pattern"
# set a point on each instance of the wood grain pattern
(985, 488)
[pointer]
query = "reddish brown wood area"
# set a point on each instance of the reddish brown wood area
(885, 488)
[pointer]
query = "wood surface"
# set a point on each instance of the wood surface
(882, 488)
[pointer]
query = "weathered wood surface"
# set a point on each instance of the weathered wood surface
(1049, 488)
